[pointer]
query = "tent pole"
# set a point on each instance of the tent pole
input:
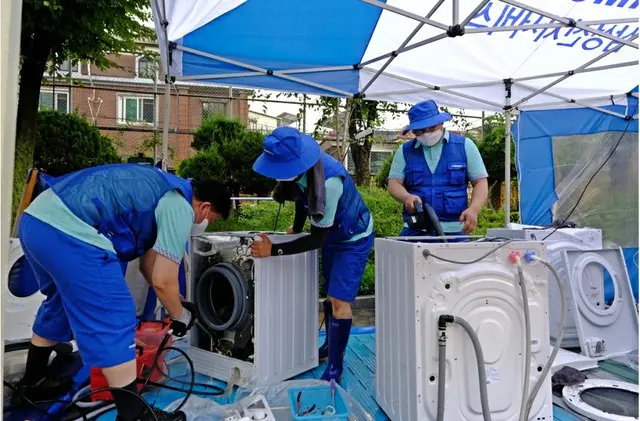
(547, 25)
(404, 44)
(570, 22)
(474, 13)
(406, 48)
(507, 152)
(590, 69)
(570, 73)
(404, 13)
(455, 19)
(167, 92)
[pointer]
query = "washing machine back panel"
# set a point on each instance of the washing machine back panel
(286, 316)
(604, 331)
(487, 295)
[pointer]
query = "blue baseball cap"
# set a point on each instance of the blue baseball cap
(287, 154)
(425, 114)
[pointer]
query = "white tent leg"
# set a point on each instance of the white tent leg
(507, 153)
(167, 91)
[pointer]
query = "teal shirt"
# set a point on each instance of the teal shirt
(475, 168)
(334, 188)
(174, 219)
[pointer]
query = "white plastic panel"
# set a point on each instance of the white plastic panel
(286, 317)
(412, 291)
(557, 241)
(20, 311)
(604, 331)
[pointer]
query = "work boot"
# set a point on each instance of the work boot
(160, 415)
(340, 329)
(50, 387)
(323, 351)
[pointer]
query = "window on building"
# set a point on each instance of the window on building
(50, 100)
(64, 67)
(213, 108)
(376, 161)
(135, 109)
(146, 68)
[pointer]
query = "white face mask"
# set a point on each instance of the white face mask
(431, 138)
(199, 229)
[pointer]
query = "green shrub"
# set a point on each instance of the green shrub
(68, 142)
(232, 150)
(383, 174)
(387, 221)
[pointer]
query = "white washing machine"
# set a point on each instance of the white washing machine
(412, 291)
(557, 242)
(21, 296)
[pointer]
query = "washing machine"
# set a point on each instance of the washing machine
(21, 296)
(558, 241)
(414, 288)
(258, 318)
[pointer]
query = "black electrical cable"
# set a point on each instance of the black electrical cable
(427, 253)
(108, 389)
(630, 119)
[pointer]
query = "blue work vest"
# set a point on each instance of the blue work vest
(119, 200)
(446, 188)
(352, 215)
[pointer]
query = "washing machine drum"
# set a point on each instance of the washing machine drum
(222, 297)
(603, 400)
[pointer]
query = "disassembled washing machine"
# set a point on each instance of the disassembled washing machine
(258, 317)
(414, 288)
(21, 296)
(603, 400)
(605, 330)
(558, 240)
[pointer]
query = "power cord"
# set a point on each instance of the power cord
(629, 120)
(427, 253)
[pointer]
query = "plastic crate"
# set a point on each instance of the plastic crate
(149, 336)
(320, 396)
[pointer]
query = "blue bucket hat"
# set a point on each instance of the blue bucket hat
(425, 114)
(287, 154)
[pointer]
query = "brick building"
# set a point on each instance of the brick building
(127, 104)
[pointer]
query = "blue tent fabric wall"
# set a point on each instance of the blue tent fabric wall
(533, 133)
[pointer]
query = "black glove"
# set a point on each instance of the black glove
(189, 316)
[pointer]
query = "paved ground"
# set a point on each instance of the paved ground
(361, 317)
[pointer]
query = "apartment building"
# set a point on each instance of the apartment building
(126, 103)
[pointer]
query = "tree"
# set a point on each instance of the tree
(56, 30)
(492, 150)
(67, 143)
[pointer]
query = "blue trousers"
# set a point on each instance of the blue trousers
(343, 265)
(87, 296)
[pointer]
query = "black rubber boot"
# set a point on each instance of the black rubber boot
(323, 351)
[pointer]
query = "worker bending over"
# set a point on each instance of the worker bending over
(75, 234)
(435, 168)
(340, 223)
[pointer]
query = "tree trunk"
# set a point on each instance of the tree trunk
(34, 63)
(361, 155)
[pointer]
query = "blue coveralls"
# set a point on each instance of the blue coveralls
(87, 296)
(445, 189)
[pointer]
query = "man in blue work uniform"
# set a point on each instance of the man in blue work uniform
(76, 234)
(435, 168)
(340, 223)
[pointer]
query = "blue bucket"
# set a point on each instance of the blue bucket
(320, 396)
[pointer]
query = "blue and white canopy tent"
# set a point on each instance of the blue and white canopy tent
(498, 56)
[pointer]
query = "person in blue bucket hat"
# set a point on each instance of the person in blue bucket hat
(75, 234)
(435, 168)
(340, 223)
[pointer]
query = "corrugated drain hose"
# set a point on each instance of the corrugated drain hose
(482, 378)
(213, 279)
(527, 329)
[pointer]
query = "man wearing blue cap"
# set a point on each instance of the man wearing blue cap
(340, 223)
(434, 168)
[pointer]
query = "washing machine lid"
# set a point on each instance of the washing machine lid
(604, 332)
(603, 400)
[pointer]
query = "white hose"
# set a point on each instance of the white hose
(556, 346)
(81, 392)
